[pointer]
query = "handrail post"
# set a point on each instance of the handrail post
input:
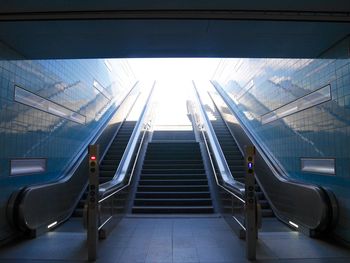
(250, 204)
(92, 229)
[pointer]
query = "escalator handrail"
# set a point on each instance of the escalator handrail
(117, 131)
(278, 171)
(83, 152)
(92, 139)
(117, 183)
(237, 192)
(331, 203)
(230, 185)
(15, 204)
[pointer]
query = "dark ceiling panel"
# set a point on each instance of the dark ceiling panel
(79, 5)
(170, 38)
(54, 29)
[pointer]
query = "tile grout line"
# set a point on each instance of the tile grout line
(172, 241)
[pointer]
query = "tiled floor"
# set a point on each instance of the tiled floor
(174, 240)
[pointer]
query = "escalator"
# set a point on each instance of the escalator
(234, 158)
(111, 160)
(115, 152)
(310, 208)
(173, 179)
(31, 215)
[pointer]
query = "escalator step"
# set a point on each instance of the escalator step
(170, 182)
(173, 209)
(173, 171)
(172, 202)
(173, 188)
(172, 176)
(174, 194)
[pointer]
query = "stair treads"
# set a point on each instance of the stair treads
(173, 180)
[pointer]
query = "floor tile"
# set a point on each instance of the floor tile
(159, 254)
(166, 240)
(185, 255)
(133, 255)
(216, 254)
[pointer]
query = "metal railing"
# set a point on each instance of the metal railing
(112, 195)
(117, 181)
(226, 180)
(109, 203)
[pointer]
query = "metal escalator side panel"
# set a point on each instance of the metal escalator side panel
(121, 173)
(235, 156)
(221, 162)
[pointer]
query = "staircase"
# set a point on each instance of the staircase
(173, 179)
(235, 159)
(111, 160)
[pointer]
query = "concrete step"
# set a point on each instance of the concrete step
(172, 202)
(169, 182)
(173, 188)
(173, 209)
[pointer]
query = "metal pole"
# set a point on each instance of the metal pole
(92, 229)
(250, 207)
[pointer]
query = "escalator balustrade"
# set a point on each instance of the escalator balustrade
(235, 159)
(111, 160)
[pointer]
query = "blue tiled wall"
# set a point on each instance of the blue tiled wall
(26, 132)
(259, 86)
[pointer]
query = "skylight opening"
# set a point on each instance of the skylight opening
(173, 86)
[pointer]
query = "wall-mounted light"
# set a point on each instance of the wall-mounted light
(293, 224)
(52, 224)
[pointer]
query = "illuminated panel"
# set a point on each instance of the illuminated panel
(315, 98)
(30, 99)
(318, 165)
(28, 166)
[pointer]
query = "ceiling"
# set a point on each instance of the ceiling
(117, 29)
